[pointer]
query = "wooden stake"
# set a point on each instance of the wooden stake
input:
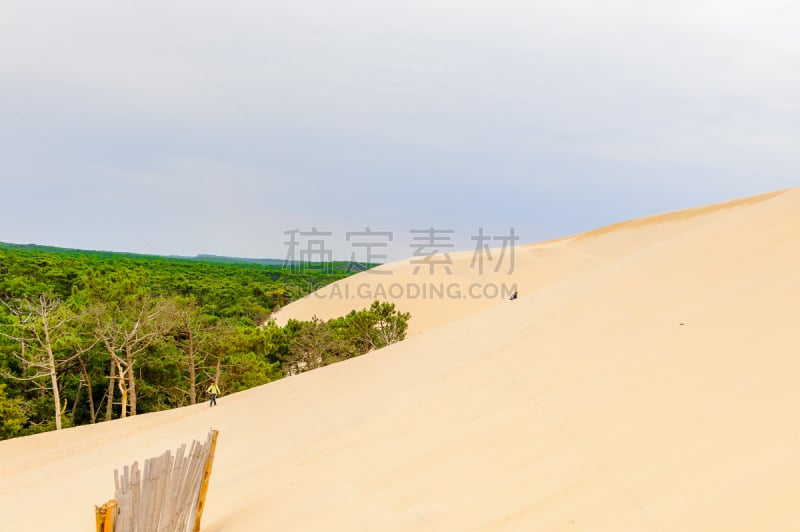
(99, 518)
(201, 502)
(105, 516)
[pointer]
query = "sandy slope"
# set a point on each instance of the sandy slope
(467, 290)
(645, 380)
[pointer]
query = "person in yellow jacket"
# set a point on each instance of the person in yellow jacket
(214, 391)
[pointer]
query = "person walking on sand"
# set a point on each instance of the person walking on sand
(214, 391)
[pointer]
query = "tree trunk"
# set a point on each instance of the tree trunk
(75, 402)
(51, 362)
(123, 390)
(88, 381)
(110, 393)
(192, 375)
(131, 379)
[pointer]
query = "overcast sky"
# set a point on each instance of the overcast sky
(200, 126)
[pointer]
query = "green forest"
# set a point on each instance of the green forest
(89, 336)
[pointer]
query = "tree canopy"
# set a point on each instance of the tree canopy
(92, 336)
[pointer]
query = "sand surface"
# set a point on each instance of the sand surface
(645, 379)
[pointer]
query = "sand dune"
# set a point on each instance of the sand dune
(529, 268)
(644, 380)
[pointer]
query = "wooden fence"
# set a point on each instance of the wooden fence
(167, 495)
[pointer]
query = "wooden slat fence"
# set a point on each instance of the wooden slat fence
(166, 495)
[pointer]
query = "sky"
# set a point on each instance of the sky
(210, 127)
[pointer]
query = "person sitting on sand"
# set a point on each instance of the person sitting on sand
(513, 296)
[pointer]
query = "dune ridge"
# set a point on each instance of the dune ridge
(644, 380)
(682, 214)
(533, 266)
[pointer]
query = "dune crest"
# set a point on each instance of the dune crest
(531, 267)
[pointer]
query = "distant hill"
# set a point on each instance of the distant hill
(123, 254)
(222, 258)
(205, 258)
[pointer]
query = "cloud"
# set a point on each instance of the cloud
(232, 119)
